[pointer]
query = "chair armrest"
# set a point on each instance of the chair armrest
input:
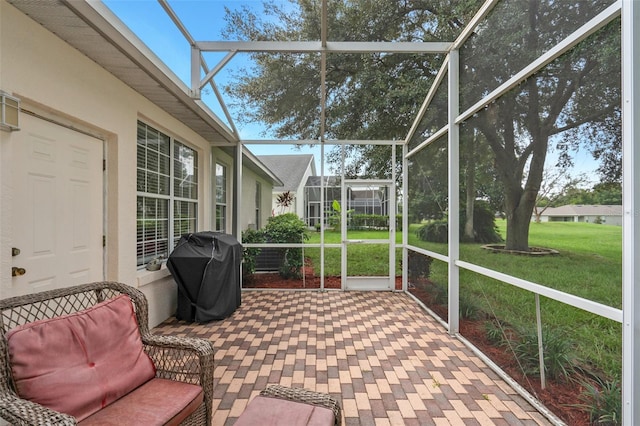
(305, 396)
(183, 359)
(179, 356)
(19, 411)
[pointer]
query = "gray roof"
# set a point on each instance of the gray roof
(290, 169)
(584, 210)
(329, 181)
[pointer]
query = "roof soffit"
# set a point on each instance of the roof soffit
(82, 26)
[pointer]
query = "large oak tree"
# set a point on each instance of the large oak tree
(572, 104)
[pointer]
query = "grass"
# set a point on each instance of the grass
(589, 265)
(362, 259)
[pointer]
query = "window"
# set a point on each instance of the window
(167, 187)
(221, 197)
(258, 203)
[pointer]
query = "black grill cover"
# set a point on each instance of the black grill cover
(206, 267)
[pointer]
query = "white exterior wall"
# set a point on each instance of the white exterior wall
(55, 79)
(300, 207)
(605, 220)
(247, 216)
(277, 210)
(220, 157)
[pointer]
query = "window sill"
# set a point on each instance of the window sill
(147, 277)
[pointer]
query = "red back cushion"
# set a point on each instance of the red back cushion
(82, 362)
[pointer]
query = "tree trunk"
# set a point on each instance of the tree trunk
(469, 235)
(520, 202)
(471, 193)
(519, 205)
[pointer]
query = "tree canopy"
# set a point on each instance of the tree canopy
(572, 104)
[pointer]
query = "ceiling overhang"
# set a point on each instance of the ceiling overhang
(97, 33)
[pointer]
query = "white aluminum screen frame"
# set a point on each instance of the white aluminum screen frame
(630, 11)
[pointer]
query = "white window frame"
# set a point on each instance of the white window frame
(221, 204)
(258, 200)
(169, 228)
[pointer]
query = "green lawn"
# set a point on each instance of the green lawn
(362, 259)
(589, 265)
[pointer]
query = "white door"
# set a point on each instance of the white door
(57, 207)
(368, 250)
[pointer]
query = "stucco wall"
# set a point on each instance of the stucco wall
(604, 220)
(226, 160)
(54, 78)
(247, 216)
(300, 206)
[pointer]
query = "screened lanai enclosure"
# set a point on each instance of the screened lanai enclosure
(438, 129)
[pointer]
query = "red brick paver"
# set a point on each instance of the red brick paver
(379, 353)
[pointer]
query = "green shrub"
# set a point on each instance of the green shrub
(335, 215)
(436, 231)
(495, 332)
(557, 350)
(249, 255)
(368, 221)
(485, 230)
(602, 399)
(440, 293)
(469, 308)
(419, 265)
(288, 228)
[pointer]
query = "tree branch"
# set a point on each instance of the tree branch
(584, 120)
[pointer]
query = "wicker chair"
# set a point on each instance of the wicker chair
(306, 396)
(181, 359)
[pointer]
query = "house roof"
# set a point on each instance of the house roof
(290, 169)
(95, 31)
(254, 163)
(584, 210)
(329, 181)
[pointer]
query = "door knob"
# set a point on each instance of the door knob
(16, 272)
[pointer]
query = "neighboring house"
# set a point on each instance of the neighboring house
(312, 198)
(604, 214)
(113, 159)
(293, 171)
(360, 200)
(298, 176)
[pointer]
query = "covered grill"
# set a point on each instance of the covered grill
(206, 268)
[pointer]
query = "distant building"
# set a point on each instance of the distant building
(604, 214)
(373, 200)
(293, 171)
(297, 172)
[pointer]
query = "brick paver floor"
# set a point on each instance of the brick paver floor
(383, 357)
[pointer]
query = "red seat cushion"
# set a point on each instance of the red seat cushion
(82, 362)
(157, 402)
(268, 411)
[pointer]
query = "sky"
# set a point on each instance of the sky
(204, 19)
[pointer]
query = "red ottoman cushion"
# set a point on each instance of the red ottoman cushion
(268, 411)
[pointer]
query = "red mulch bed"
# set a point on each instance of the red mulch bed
(558, 396)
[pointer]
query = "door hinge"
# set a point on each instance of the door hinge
(104, 165)
(104, 241)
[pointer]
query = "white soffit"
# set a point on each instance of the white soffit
(82, 26)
